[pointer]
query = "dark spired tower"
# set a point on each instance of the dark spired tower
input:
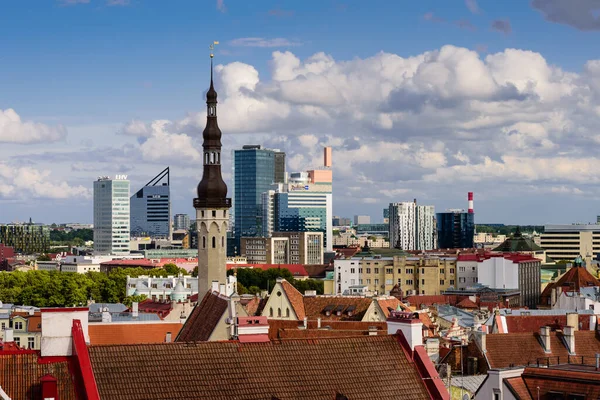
(212, 205)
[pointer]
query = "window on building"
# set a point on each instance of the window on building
(352, 281)
(3, 325)
(214, 214)
(352, 270)
(389, 281)
(368, 270)
(442, 271)
(422, 281)
(271, 312)
(461, 280)
(18, 325)
(409, 282)
(360, 281)
(203, 242)
(473, 268)
(475, 280)
(422, 270)
(287, 312)
(451, 270)
(389, 271)
(368, 281)
(377, 281)
(409, 270)
(17, 340)
(399, 271)
(399, 281)
(376, 270)
(222, 241)
(30, 342)
(360, 270)
(214, 242)
(441, 282)
(461, 269)
(279, 312)
(452, 281)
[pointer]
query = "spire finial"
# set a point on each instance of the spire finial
(212, 55)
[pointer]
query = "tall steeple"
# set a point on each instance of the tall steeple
(212, 205)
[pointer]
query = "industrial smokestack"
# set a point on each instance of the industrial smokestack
(471, 203)
(327, 157)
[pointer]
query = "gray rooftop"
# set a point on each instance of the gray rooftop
(470, 383)
(112, 307)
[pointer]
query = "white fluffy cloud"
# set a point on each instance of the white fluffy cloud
(24, 182)
(447, 117)
(15, 130)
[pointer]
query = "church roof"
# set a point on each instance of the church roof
(573, 280)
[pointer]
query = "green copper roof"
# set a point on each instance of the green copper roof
(517, 243)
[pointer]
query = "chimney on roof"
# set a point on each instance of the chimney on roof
(573, 320)
(545, 337)
(106, 317)
(7, 335)
(168, 337)
(233, 299)
(305, 322)
(319, 323)
(182, 318)
(214, 287)
(410, 325)
(569, 334)
(134, 309)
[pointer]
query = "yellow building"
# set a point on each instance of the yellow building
(418, 274)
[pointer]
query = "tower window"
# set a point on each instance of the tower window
(279, 312)
(206, 158)
(203, 242)
(222, 241)
(214, 214)
(271, 312)
(214, 242)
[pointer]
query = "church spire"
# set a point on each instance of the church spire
(212, 190)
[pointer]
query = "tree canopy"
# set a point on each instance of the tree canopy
(253, 280)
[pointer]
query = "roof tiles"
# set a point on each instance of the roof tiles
(132, 333)
(368, 367)
(204, 318)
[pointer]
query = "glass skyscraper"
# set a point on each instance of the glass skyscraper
(455, 229)
(151, 208)
(111, 215)
(254, 171)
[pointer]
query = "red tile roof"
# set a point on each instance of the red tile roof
(295, 297)
(518, 388)
(572, 280)
(204, 318)
(20, 373)
(521, 349)
(155, 307)
(279, 328)
(533, 323)
(123, 333)
(466, 303)
(366, 367)
(428, 300)
(315, 307)
(564, 379)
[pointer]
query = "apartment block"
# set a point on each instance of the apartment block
(259, 250)
(304, 247)
(25, 238)
(429, 275)
(566, 242)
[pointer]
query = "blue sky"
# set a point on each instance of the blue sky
(82, 71)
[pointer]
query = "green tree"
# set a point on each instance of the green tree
(129, 300)
(173, 269)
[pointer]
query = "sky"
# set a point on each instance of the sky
(421, 100)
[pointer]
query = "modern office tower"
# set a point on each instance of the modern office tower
(254, 174)
(260, 250)
(455, 229)
(402, 225)
(362, 220)
(303, 204)
(304, 247)
(425, 228)
(412, 227)
(212, 204)
(151, 208)
(111, 215)
(181, 221)
(386, 215)
(25, 238)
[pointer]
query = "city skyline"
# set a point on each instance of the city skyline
(479, 99)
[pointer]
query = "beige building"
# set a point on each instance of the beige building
(27, 329)
(566, 242)
(349, 238)
(422, 274)
(259, 250)
(304, 247)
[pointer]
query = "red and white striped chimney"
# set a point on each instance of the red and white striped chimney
(471, 203)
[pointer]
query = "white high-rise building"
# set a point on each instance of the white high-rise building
(426, 229)
(412, 227)
(111, 215)
(402, 225)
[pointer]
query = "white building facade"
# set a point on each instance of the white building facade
(111, 215)
(426, 229)
(412, 227)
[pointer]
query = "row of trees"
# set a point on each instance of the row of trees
(66, 289)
